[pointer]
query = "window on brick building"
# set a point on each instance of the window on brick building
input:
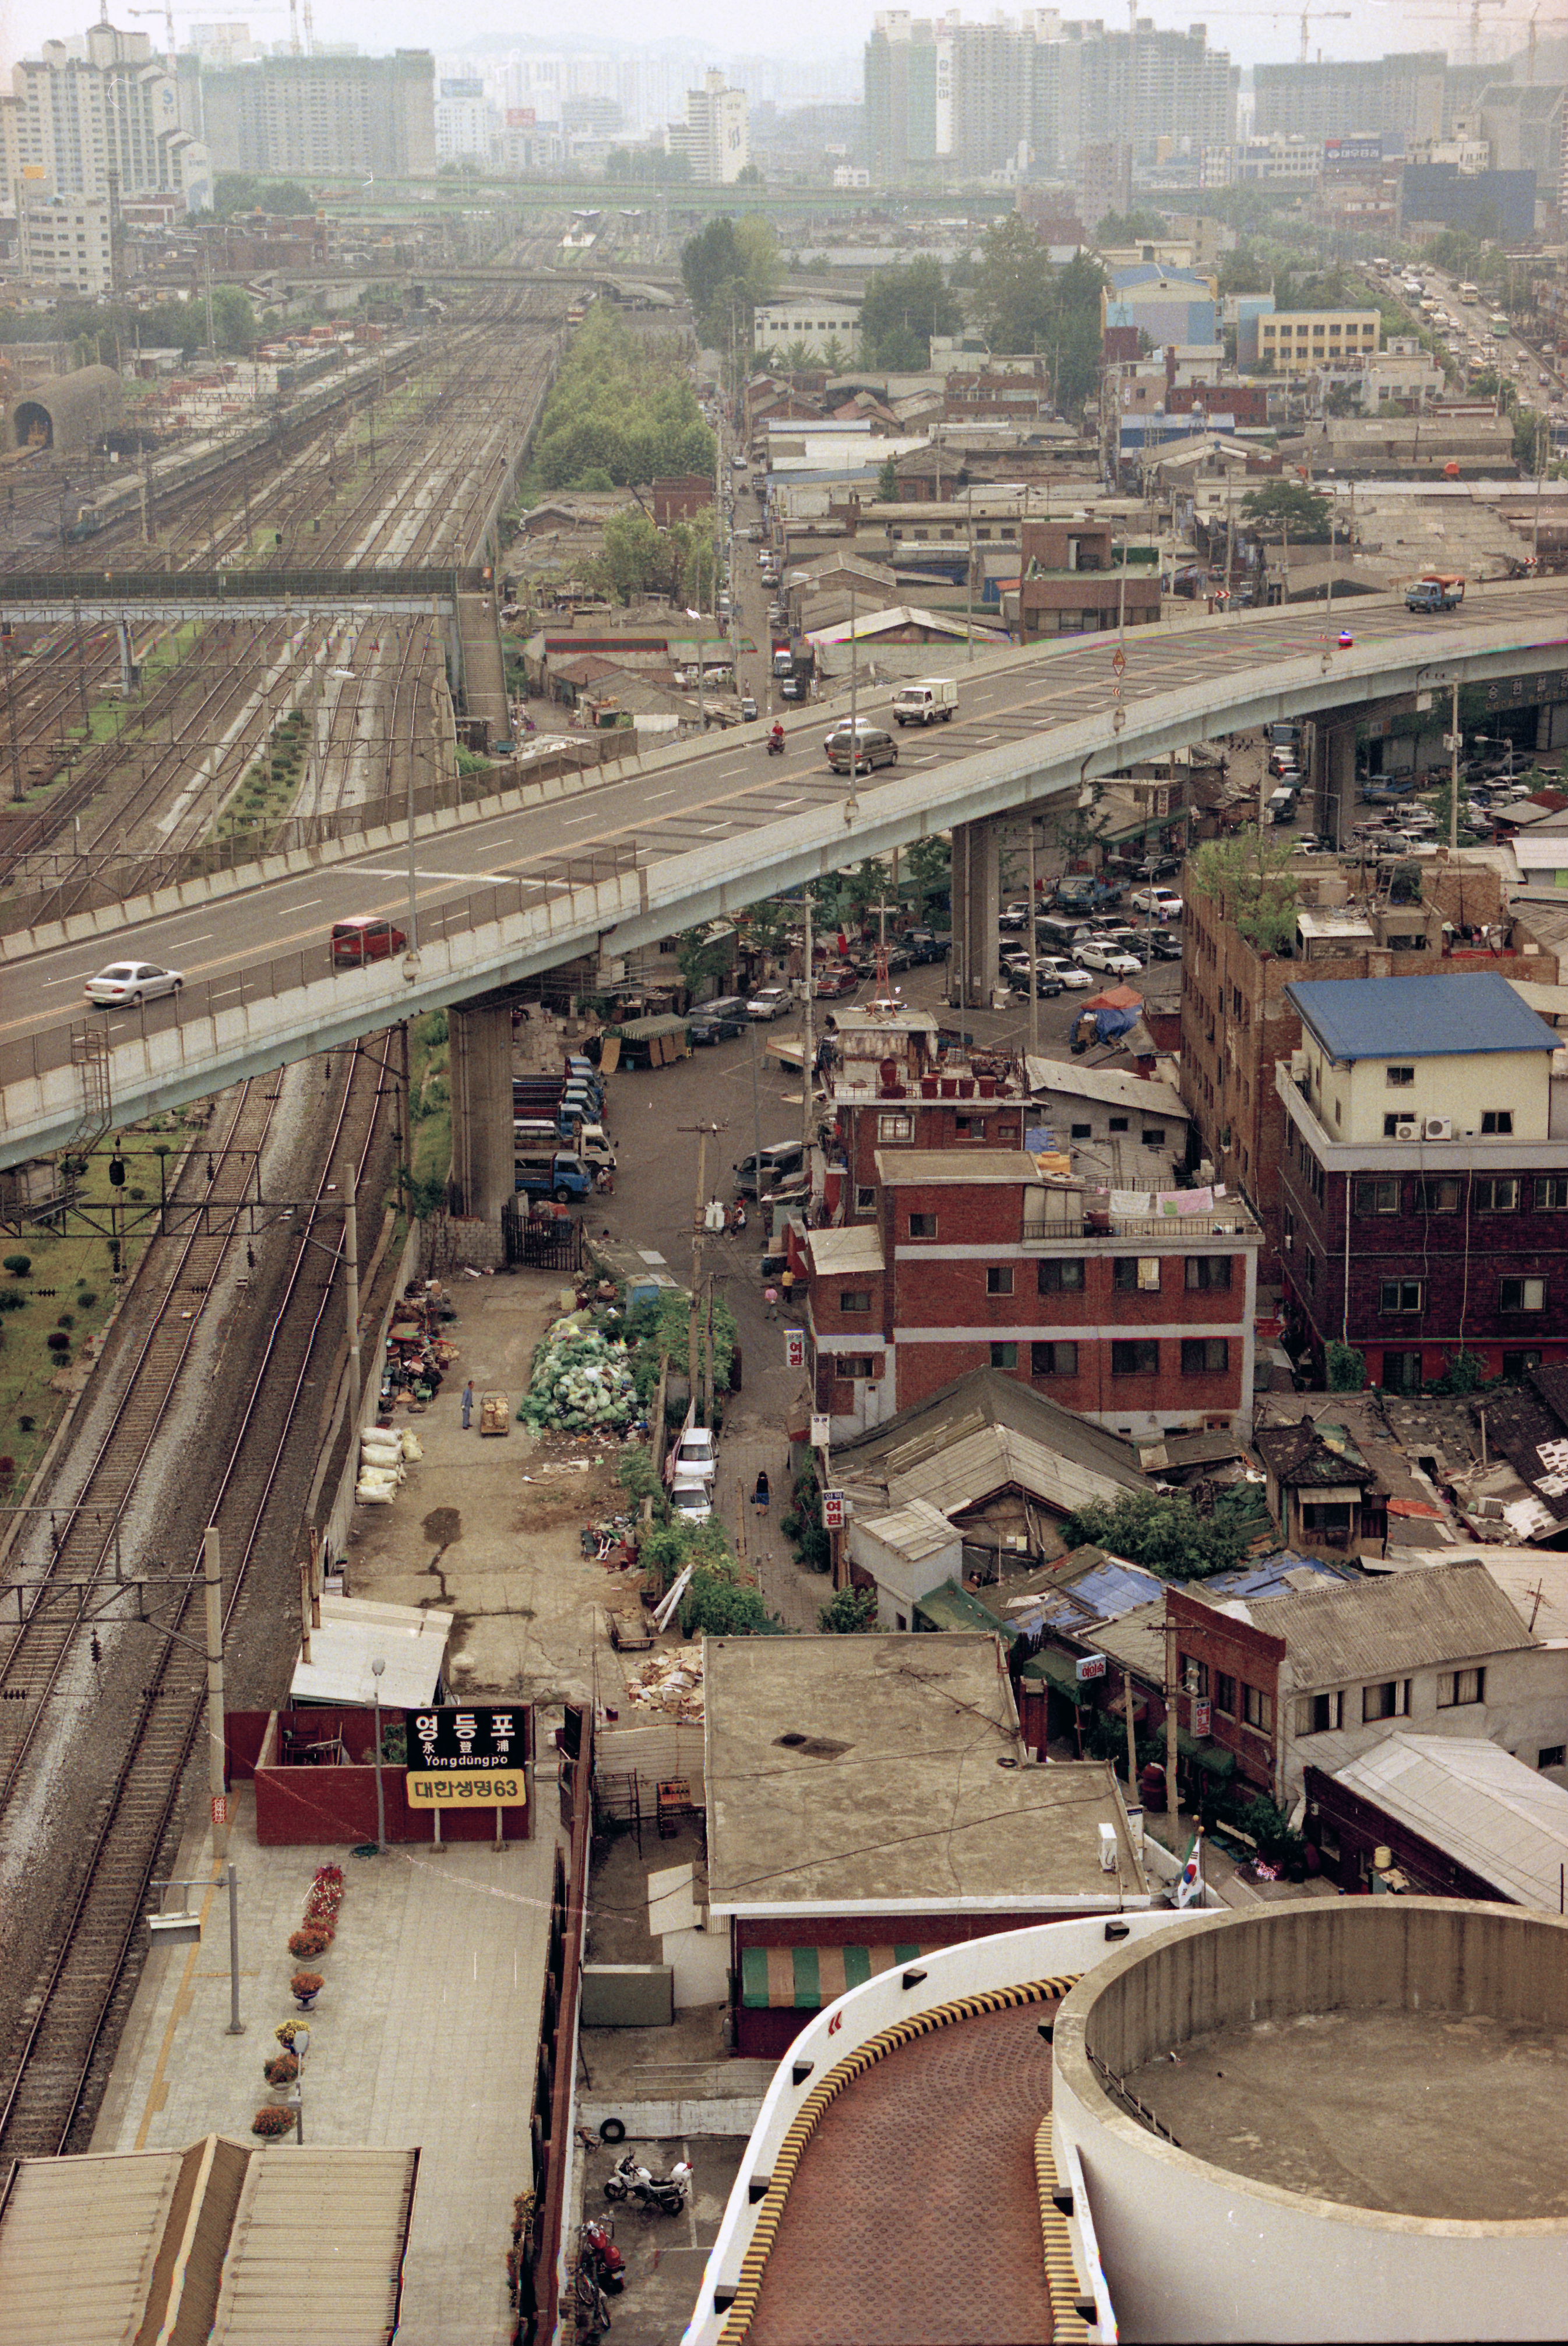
(1521, 1295)
(895, 1127)
(1377, 1196)
(1520, 1364)
(1004, 1356)
(1310, 1265)
(1442, 1196)
(1136, 1356)
(1402, 1294)
(1205, 1356)
(1224, 1693)
(1495, 1196)
(1550, 1195)
(1457, 1687)
(969, 1128)
(922, 1225)
(865, 1201)
(999, 1278)
(1209, 1274)
(857, 1365)
(1498, 1120)
(1400, 1079)
(1060, 1275)
(1135, 1274)
(1054, 1359)
(1389, 1699)
(1257, 1709)
(854, 1299)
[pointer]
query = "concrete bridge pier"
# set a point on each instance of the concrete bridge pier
(482, 1146)
(975, 968)
(1335, 779)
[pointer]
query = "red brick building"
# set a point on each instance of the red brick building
(1072, 584)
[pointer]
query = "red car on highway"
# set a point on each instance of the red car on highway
(363, 938)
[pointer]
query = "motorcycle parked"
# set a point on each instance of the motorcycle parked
(641, 2189)
(601, 2256)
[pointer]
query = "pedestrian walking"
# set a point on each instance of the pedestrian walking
(770, 1297)
(787, 1282)
(468, 1404)
(761, 1495)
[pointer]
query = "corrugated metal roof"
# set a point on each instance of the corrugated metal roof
(967, 1471)
(917, 1531)
(1116, 1089)
(78, 2245)
(317, 2228)
(930, 1165)
(1475, 1801)
(1376, 1629)
(1406, 1018)
(858, 1247)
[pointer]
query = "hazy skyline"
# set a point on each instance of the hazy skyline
(1253, 34)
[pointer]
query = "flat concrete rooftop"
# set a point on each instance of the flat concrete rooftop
(1433, 2114)
(887, 1770)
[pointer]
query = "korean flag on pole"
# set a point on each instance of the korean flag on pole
(1189, 1886)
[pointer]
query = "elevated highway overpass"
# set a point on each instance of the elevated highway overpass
(623, 856)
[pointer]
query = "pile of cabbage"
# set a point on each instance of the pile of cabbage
(581, 1381)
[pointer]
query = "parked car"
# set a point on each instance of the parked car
(832, 984)
(362, 939)
(1163, 902)
(1047, 985)
(769, 1002)
(899, 958)
(1072, 974)
(747, 709)
(1165, 945)
(780, 1159)
(793, 687)
(132, 981)
(929, 945)
(1111, 959)
(717, 1022)
(697, 1455)
(691, 1503)
(1014, 916)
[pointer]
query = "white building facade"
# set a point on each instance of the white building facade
(716, 136)
(99, 116)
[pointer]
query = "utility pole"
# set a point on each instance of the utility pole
(1132, 1734)
(808, 1048)
(351, 1297)
(216, 1778)
(1173, 1747)
(1453, 745)
(698, 1231)
(1033, 942)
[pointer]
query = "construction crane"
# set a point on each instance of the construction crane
(1470, 9)
(1310, 16)
(1306, 18)
(269, 8)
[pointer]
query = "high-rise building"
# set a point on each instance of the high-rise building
(464, 119)
(99, 117)
(947, 99)
(376, 114)
(1403, 92)
(714, 137)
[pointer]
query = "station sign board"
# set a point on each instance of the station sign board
(467, 1755)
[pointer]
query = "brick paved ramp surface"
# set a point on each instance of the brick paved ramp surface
(913, 2219)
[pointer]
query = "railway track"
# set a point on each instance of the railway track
(53, 2076)
(456, 471)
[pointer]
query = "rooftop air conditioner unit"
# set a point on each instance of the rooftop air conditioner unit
(1436, 1127)
(1407, 1128)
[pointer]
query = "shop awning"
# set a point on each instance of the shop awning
(1060, 1671)
(1214, 1757)
(952, 1607)
(804, 1979)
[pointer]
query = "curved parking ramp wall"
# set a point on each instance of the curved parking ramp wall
(1340, 2120)
(873, 2023)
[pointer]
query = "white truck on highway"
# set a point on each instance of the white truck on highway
(925, 698)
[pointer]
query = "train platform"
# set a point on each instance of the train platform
(425, 2035)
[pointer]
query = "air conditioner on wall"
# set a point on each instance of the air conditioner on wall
(1407, 1129)
(1436, 1127)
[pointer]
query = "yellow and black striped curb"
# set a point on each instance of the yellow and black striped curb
(1067, 2324)
(806, 2119)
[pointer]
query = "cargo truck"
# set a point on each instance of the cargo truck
(925, 699)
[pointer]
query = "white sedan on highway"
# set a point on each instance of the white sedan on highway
(133, 981)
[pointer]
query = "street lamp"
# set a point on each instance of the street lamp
(378, 1670)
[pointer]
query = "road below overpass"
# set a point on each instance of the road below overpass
(687, 833)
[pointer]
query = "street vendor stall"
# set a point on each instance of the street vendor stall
(419, 1349)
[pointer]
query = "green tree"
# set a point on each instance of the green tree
(888, 483)
(1531, 440)
(700, 957)
(647, 166)
(835, 357)
(1128, 227)
(634, 558)
(904, 307)
(1243, 271)
(748, 175)
(1346, 1367)
(851, 1613)
(1012, 288)
(233, 319)
(1165, 1535)
(928, 864)
(726, 268)
(1253, 884)
(1290, 505)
